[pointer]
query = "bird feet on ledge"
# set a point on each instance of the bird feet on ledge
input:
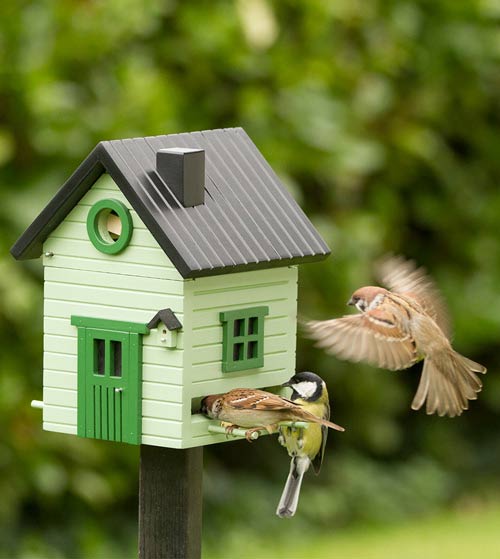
(249, 432)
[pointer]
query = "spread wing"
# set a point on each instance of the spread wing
(242, 398)
(403, 277)
(376, 337)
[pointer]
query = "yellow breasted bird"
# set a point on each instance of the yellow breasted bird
(305, 446)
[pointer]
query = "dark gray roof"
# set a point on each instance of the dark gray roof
(168, 317)
(248, 221)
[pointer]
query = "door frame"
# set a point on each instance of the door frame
(130, 335)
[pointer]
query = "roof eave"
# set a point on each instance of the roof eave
(279, 263)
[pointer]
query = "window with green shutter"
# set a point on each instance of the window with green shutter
(243, 338)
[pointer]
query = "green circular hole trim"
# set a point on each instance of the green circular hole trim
(97, 230)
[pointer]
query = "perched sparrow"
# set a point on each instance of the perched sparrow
(305, 446)
(257, 409)
(399, 327)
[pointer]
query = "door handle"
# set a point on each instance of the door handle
(118, 389)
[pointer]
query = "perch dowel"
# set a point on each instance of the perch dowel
(237, 432)
(38, 404)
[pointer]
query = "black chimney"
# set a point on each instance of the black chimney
(183, 170)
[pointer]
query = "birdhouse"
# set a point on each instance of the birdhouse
(170, 273)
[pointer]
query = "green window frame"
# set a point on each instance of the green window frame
(243, 338)
(109, 379)
(97, 230)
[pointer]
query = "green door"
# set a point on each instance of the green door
(109, 379)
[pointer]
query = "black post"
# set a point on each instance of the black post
(170, 503)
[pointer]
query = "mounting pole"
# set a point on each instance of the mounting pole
(170, 503)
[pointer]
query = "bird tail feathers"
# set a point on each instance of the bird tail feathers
(290, 496)
(448, 381)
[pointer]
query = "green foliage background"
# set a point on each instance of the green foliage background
(382, 117)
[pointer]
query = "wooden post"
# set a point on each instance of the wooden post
(170, 503)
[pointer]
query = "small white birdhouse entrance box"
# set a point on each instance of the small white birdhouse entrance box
(166, 325)
(170, 273)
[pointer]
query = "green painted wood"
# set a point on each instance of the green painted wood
(243, 338)
(82, 367)
(96, 231)
(102, 324)
(101, 385)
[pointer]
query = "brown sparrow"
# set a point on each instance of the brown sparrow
(254, 410)
(399, 326)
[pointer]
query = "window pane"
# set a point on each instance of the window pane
(238, 352)
(98, 357)
(116, 358)
(252, 350)
(253, 324)
(239, 327)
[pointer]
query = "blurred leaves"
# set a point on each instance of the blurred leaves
(382, 117)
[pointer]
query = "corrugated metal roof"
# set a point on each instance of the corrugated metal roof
(248, 221)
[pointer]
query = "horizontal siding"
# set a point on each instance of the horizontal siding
(212, 335)
(111, 267)
(77, 230)
(228, 282)
(206, 318)
(161, 410)
(241, 380)
(59, 414)
(98, 279)
(60, 397)
(161, 428)
(59, 362)
(165, 442)
(154, 355)
(83, 248)
(110, 296)
(59, 379)
(161, 391)
(60, 428)
(213, 353)
(56, 308)
(163, 374)
(207, 297)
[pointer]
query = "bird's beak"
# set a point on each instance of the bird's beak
(350, 302)
(287, 383)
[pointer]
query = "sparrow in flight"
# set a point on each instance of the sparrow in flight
(397, 327)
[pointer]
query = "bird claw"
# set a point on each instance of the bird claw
(229, 428)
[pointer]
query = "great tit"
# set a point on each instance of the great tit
(305, 446)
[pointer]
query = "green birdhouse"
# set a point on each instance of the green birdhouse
(170, 273)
